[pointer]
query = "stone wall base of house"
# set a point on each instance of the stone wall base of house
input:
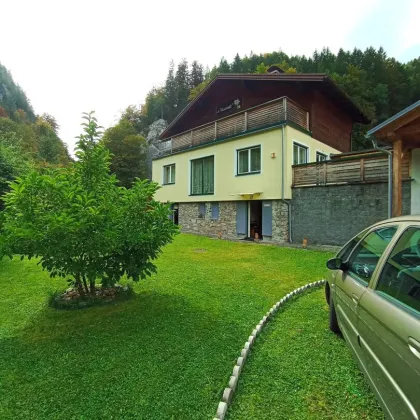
(192, 220)
(280, 221)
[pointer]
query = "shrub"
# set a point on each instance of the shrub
(81, 224)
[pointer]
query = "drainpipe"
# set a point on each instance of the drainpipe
(283, 169)
(389, 153)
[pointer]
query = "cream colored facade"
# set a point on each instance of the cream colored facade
(228, 186)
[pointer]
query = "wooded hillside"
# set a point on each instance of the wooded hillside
(26, 140)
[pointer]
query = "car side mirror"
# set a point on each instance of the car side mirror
(336, 264)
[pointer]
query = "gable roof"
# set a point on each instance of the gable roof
(321, 79)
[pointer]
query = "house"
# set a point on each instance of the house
(336, 199)
(402, 131)
(226, 160)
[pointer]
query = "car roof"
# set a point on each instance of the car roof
(401, 219)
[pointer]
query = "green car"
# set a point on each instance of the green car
(373, 291)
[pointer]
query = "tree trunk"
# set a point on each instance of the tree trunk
(85, 284)
(92, 287)
(79, 285)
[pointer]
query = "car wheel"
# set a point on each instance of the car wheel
(327, 293)
(333, 318)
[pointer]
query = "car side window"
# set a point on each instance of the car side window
(400, 277)
(366, 255)
(348, 248)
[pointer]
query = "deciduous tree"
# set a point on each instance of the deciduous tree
(129, 152)
(81, 225)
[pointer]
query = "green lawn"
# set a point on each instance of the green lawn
(167, 353)
(299, 370)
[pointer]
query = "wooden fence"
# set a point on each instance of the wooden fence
(345, 171)
(269, 113)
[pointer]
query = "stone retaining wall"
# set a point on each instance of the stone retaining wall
(333, 214)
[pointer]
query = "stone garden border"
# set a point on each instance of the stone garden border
(233, 381)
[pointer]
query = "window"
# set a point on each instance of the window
(202, 176)
(348, 248)
(169, 174)
(215, 211)
(300, 154)
(400, 277)
(321, 157)
(201, 210)
(249, 160)
(365, 257)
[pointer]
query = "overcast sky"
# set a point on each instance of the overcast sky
(77, 56)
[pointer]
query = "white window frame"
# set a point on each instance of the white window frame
(171, 176)
(248, 149)
(295, 143)
(319, 153)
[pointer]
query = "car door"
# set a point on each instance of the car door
(352, 282)
(389, 328)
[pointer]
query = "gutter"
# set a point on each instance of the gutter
(283, 170)
(390, 164)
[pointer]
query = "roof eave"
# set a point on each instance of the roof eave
(392, 119)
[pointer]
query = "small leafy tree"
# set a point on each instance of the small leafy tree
(81, 224)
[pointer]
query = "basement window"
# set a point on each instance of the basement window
(201, 210)
(215, 211)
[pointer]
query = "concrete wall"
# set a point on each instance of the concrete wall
(415, 184)
(331, 215)
(227, 184)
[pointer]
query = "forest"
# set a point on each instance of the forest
(27, 140)
(379, 84)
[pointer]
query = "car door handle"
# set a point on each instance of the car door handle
(355, 298)
(414, 346)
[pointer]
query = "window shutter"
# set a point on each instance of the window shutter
(215, 211)
(267, 218)
(242, 218)
(202, 210)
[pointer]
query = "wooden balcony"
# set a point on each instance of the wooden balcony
(346, 171)
(261, 116)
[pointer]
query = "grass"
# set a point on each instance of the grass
(165, 354)
(299, 370)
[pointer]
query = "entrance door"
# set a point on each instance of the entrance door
(175, 213)
(255, 219)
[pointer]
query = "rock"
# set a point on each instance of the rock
(221, 410)
(227, 395)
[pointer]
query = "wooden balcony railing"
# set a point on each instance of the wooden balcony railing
(345, 171)
(260, 116)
